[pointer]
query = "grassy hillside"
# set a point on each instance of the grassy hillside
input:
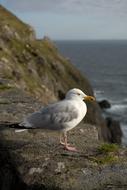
(34, 65)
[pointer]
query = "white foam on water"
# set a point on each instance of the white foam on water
(124, 130)
(99, 95)
(118, 108)
(123, 101)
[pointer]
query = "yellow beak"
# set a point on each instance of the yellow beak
(90, 98)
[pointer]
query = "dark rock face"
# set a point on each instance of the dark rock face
(112, 131)
(104, 104)
(115, 132)
(10, 179)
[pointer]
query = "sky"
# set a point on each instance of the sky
(73, 19)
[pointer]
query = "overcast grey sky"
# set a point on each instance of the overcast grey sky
(73, 19)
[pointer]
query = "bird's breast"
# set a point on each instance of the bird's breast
(81, 109)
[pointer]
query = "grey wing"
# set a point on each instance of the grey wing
(33, 121)
(54, 116)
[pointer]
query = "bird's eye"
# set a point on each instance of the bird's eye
(78, 94)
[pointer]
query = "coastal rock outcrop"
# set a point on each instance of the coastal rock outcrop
(104, 104)
(114, 130)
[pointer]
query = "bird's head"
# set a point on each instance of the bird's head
(78, 94)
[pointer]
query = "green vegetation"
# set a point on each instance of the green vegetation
(107, 153)
(8, 20)
(5, 87)
(107, 148)
(106, 159)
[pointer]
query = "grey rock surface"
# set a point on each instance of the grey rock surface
(41, 163)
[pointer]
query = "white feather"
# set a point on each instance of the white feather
(20, 130)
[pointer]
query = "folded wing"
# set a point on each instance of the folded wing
(53, 117)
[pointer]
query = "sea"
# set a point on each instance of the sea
(104, 62)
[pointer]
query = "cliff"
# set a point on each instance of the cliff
(34, 65)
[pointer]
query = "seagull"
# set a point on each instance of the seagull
(61, 116)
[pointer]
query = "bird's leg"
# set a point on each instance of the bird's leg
(67, 147)
(61, 142)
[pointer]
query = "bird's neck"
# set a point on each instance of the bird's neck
(72, 97)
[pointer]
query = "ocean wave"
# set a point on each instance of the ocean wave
(118, 112)
(99, 94)
(118, 102)
(118, 108)
(125, 100)
(124, 130)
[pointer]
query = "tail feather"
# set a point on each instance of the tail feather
(25, 124)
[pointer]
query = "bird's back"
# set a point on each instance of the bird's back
(53, 117)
